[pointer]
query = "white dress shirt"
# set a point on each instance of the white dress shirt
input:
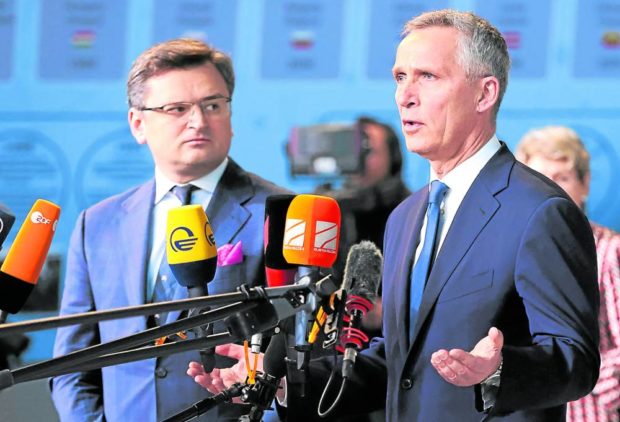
(458, 180)
(165, 200)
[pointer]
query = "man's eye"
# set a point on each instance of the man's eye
(176, 108)
(399, 77)
(211, 107)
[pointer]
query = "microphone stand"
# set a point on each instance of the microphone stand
(207, 404)
(282, 300)
(71, 361)
(138, 310)
(260, 395)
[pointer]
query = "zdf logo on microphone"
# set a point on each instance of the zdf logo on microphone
(182, 239)
(38, 218)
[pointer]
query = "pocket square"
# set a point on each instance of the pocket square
(230, 254)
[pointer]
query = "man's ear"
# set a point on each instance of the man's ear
(136, 125)
(488, 94)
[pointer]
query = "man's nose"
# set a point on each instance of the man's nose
(406, 95)
(196, 116)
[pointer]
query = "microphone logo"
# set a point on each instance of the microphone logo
(185, 239)
(209, 234)
(325, 238)
(38, 218)
(294, 233)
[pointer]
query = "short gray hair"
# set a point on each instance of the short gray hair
(482, 49)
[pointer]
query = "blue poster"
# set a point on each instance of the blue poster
(525, 26)
(302, 39)
(387, 18)
(212, 21)
(597, 49)
(112, 164)
(32, 166)
(82, 39)
(7, 35)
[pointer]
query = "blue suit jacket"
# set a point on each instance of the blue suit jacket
(520, 256)
(106, 268)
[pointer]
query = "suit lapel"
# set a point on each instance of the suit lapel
(180, 292)
(474, 213)
(410, 237)
(226, 212)
(135, 234)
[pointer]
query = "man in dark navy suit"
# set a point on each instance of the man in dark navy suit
(490, 293)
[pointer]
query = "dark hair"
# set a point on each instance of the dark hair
(392, 141)
(182, 53)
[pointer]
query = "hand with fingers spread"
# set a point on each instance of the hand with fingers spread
(221, 379)
(465, 369)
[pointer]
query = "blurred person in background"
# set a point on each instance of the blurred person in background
(558, 153)
(367, 199)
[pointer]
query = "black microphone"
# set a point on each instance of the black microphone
(278, 272)
(362, 275)
(276, 207)
(192, 256)
(6, 222)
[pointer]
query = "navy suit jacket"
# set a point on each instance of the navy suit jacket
(520, 256)
(106, 268)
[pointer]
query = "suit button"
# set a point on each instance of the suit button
(161, 372)
(406, 383)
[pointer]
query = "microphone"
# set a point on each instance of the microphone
(24, 261)
(192, 257)
(6, 222)
(312, 231)
(311, 236)
(277, 270)
(362, 275)
(190, 249)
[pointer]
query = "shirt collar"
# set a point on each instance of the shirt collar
(460, 178)
(208, 182)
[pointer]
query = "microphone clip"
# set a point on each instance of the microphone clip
(260, 395)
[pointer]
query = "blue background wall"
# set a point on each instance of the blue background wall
(63, 130)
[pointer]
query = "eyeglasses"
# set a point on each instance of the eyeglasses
(216, 106)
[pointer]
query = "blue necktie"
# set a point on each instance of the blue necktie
(164, 285)
(422, 267)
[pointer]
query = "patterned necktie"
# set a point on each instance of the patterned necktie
(164, 285)
(422, 267)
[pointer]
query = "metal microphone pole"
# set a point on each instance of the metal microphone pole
(126, 312)
(207, 404)
(73, 360)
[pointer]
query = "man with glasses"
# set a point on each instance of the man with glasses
(179, 95)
